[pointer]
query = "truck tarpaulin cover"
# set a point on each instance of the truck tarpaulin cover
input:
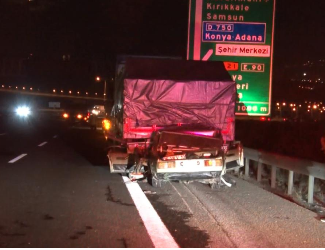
(166, 92)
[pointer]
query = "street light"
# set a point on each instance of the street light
(98, 79)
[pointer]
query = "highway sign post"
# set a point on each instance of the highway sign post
(239, 33)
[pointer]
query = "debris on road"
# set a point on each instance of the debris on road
(149, 192)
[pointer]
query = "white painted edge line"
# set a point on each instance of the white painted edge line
(160, 236)
(17, 158)
(42, 144)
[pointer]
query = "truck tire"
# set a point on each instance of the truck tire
(152, 178)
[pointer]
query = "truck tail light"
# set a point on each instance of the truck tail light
(166, 165)
(209, 163)
(213, 163)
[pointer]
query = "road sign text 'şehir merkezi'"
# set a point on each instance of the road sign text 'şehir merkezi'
(239, 33)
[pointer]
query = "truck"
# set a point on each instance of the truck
(174, 120)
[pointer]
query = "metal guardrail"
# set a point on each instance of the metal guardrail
(293, 165)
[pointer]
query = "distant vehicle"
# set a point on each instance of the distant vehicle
(98, 110)
(175, 120)
(96, 115)
(23, 111)
(74, 117)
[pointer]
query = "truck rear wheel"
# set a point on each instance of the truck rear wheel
(152, 177)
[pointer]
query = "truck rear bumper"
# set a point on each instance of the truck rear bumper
(188, 176)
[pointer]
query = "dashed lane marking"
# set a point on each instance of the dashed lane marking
(42, 144)
(17, 158)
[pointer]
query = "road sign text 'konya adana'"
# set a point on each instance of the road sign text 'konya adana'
(239, 33)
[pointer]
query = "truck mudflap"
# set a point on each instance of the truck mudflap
(121, 161)
(118, 159)
(235, 157)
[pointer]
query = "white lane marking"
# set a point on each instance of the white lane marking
(55, 136)
(42, 144)
(17, 158)
(160, 236)
(3, 134)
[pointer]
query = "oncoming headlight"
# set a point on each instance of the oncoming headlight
(23, 111)
(95, 112)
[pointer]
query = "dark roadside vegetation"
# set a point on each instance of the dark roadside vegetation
(296, 139)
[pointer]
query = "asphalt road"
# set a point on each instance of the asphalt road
(56, 196)
(61, 194)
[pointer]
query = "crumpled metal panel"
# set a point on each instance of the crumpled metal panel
(186, 142)
(165, 102)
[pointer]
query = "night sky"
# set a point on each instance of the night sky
(104, 28)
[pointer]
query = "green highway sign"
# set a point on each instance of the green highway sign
(239, 33)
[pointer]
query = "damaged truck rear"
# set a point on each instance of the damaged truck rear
(174, 120)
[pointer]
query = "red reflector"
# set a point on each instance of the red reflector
(208, 163)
